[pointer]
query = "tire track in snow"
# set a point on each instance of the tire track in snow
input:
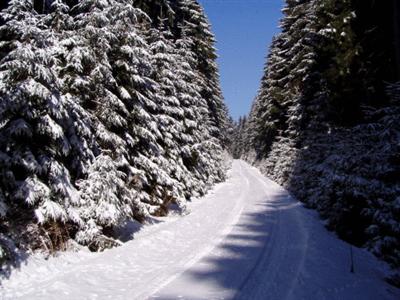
(273, 257)
(264, 257)
(236, 215)
(269, 255)
(259, 249)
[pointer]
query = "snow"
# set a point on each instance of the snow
(246, 239)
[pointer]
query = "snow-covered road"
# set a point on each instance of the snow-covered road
(248, 239)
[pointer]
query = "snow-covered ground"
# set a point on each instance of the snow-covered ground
(248, 239)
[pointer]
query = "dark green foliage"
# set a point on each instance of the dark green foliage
(325, 121)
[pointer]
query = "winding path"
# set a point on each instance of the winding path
(248, 239)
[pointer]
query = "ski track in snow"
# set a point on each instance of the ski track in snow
(247, 239)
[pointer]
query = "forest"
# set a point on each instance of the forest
(112, 111)
(325, 122)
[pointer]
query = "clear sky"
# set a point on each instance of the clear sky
(244, 30)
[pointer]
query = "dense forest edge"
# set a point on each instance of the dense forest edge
(111, 111)
(325, 123)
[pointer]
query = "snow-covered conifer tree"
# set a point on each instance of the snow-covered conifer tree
(106, 201)
(321, 124)
(107, 113)
(195, 140)
(34, 140)
(170, 114)
(198, 28)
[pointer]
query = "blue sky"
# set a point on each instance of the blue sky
(244, 30)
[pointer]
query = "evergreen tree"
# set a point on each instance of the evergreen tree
(201, 153)
(103, 117)
(322, 123)
(33, 131)
(198, 28)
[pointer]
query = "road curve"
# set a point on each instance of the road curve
(247, 239)
(279, 250)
